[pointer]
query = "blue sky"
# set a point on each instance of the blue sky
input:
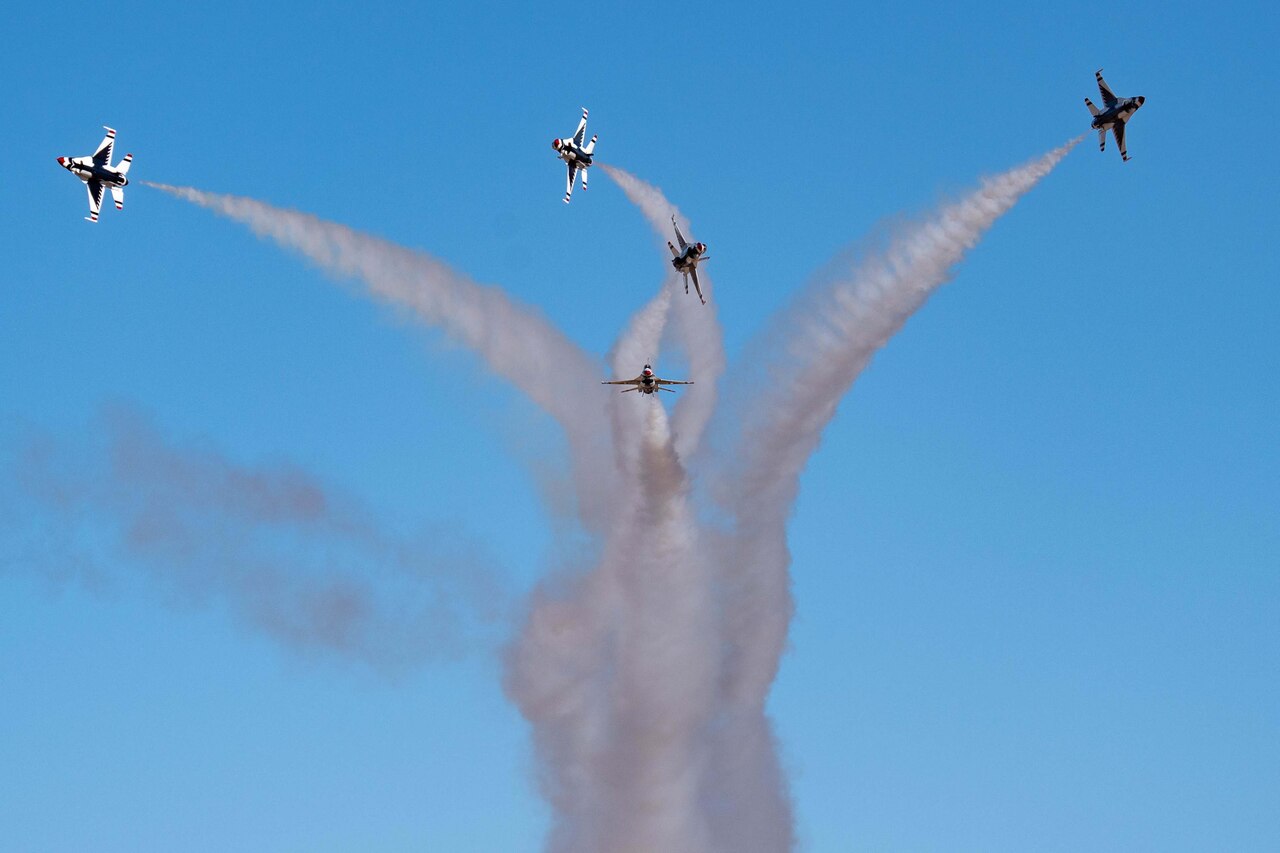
(1035, 558)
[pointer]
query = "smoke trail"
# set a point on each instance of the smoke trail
(829, 338)
(513, 339)
(697, 325)
(645, 677)
(638, 344)
(284, 553)
(616, 673)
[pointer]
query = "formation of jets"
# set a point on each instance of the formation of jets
(99, 175)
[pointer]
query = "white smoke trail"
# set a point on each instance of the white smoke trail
(623, 732)
(645, 678)
(829, 338)
(513, 339)
(697, 325)
(637, 345)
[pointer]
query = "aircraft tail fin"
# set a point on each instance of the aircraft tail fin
(123, 168)
(117, 195)
(1092, 109)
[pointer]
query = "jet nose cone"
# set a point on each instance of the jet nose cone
(62, 161)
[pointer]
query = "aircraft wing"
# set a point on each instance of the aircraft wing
(671, 382)
(95, 189)
(1109, 100)
(694, 272)
(680, 237)
(568, 190)
(580, 134)
(638, 381)
(1118, 130)
(102, 157)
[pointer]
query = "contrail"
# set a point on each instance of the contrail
(516, 343)
(697, 325)
(644, 675)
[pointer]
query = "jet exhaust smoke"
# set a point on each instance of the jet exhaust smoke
(697, 325)
(514, 341)
(645, 677)
(286, 554)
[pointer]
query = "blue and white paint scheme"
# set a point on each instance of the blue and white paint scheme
(575, 154)
(686, 260)
(98, 174)
(1113, 117)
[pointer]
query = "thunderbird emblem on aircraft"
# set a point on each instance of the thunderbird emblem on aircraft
(98, 174)
(575, 154)
(1118, 112)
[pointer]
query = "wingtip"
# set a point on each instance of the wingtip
(111, 131)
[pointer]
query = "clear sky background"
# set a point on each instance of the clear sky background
(1035, 559)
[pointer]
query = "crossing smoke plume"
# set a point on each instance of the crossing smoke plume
(645, 678)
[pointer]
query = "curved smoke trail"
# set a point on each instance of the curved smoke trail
(516, 342)
(645, 678)
(697, 325)
(829, 338)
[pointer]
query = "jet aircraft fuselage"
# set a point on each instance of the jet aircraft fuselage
(1121, 112)
(1114, 115)
(99, 175)
(688, 259)
(86, 170)
(571, 153)
(576, 153)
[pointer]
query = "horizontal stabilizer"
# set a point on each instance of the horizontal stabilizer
(117, 194)
(1092, 109)
(123, 168)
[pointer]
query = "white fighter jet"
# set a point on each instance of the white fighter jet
(1113, 118)
(98, 174)
(686, 260)
(646, 382)
(575, 155)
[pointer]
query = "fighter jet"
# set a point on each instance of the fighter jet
(1113, 118)
(646, 382)
(98, 174)
(576, 155)
(686, 260)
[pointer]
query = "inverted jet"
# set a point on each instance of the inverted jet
(575, 154)
(686, 260)
(1116, 113)
(646, 382)
(99, 175)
